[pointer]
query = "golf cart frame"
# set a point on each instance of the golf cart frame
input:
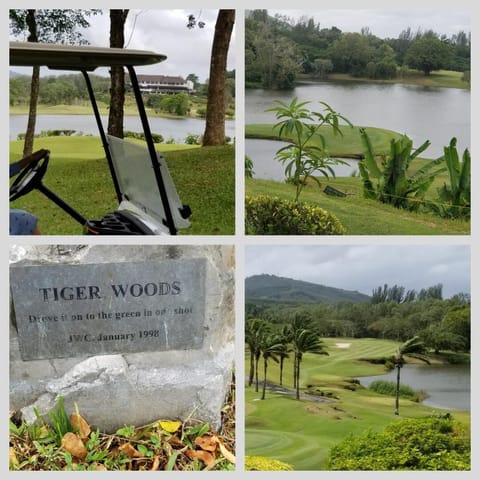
(148, 204)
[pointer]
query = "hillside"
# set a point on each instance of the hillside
(270, 288)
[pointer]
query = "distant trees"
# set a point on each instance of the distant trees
(428, 53)
(393, 313)
(278, 49)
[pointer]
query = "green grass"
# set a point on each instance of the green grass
(439, 78)
(301, 433)
(354, 209)
(78, 173)
(345, 145)
(358, 215)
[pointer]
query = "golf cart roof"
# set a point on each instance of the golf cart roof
(73, 57)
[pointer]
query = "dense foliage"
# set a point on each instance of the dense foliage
(415, 444)
(278, 49)
(266, 215)
(388, 179)
(442, 324)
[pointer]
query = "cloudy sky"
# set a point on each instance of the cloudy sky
(363, 268)
(386, 23)
(165, 31)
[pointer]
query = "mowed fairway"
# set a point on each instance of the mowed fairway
(301, 433)
(78, 173)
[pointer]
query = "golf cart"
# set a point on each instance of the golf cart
(148, 203)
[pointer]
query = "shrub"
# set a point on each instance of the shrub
(266, 215)
(249, 172)
(414, 444)
(385, 387)
(265, 464)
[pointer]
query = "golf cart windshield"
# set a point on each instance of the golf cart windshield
(148, 200)
(138, 185)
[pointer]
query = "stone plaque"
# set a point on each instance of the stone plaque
(105, 308)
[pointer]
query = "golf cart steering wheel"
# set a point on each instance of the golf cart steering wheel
(30, 177)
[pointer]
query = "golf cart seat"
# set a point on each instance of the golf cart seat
(141, 210)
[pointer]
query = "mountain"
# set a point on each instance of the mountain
(270, 288)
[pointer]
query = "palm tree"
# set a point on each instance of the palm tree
(301, 321)
(413, 347)
(270, 346)
(285, 337)
(305, 341)
(254, 330)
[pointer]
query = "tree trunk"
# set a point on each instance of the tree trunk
(215, 120)
(252, 367)
(397, 389)
(117, 75)
(257, 358)
(34, 88)
(281, 371)
(298, 379)
(264, 378)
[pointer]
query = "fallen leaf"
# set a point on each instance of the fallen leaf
(13, 457)
(129, 450)
(205, 457)
(80, 425)
(156, 463)
(169, 426)
(207, 442)
(74, 445)
(100, 468)
(227, 454)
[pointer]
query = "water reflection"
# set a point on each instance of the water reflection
(422, 113)
(448, 386)
(262, 154)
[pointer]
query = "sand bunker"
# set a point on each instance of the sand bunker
(343, 345)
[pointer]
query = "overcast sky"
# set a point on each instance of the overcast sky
(386, 23)
(363, 268)
(165, 31)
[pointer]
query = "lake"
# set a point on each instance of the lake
(422, 113)
(448, 386)
(177, 129)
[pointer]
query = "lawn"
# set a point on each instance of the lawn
(353, 209)
(438, 78)
(78, 173)
(301, 433)
(360, 216)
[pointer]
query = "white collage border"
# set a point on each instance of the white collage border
(239, 240)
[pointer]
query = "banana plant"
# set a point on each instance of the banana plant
(454, 199)
(389, 180)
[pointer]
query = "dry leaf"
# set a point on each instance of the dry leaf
(80, 425)
(228, 455)
(207, 442)
(100, 468)
(74, 445)
(169, 426)
(13, 457)
(130, 451)
(156, 463)
(205, 457)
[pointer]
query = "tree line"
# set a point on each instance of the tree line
(392, 313)
(278, 49)
(71, 89)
